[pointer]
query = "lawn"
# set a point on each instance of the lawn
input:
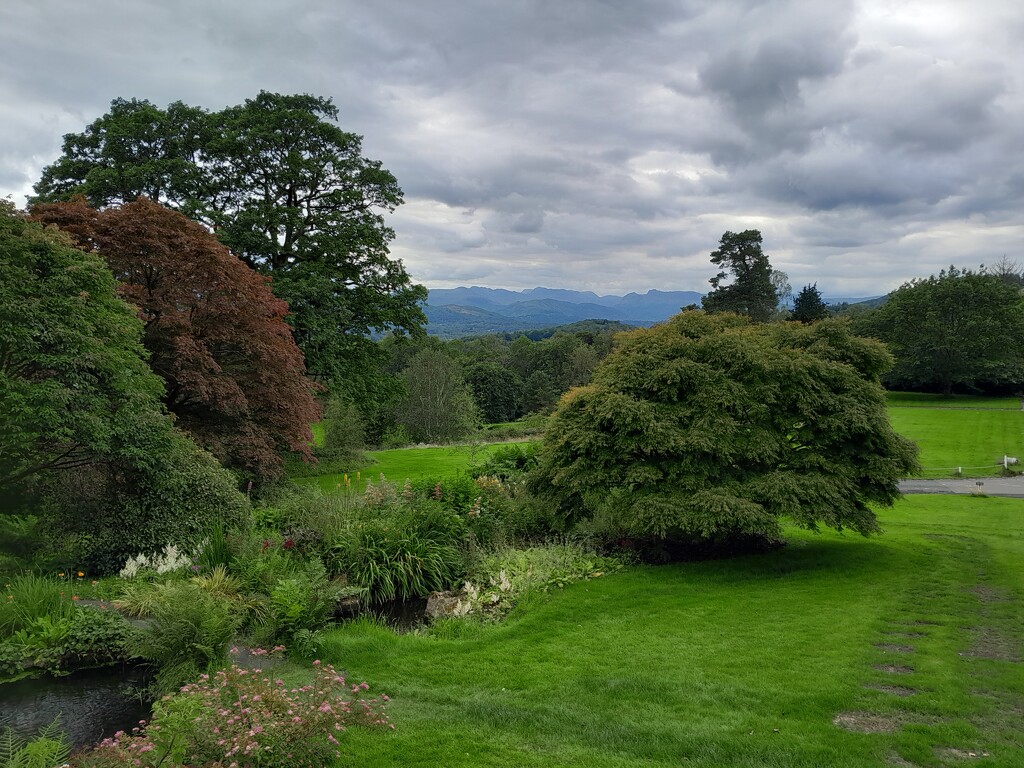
(400, 464)
(971, 402)
(950, 438)
(908, 639)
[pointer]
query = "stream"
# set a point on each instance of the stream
(92, 705)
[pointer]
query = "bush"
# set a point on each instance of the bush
(189, 633)
(238, 716)
(174, 495)
(304, 602)
(343, 435)
(707, 430)
(96, 638)
(407, 550)
(509, 462)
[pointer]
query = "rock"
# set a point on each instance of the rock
(447, 604)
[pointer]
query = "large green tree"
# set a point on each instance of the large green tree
(961, 329)
(709, 430)
(438, 406)
(286, 189)
(84, 439)
(753, 291)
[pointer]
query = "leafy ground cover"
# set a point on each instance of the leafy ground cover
(836, 651)
(975, 440)
(970, 402)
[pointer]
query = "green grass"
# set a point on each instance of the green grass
(744, 662)
(400, 464)
(920, 400)
(974, 440)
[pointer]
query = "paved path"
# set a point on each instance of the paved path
(992, 486)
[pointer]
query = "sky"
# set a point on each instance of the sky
(599, 145)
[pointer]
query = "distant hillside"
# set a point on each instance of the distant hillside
(455, 312)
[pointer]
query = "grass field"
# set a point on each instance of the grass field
(902, 649)
(953, 437)
(919, 400)
(400, 464)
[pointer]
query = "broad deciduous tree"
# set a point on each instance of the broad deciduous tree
(708, 429)
(282, 186)
(438, 406)
(960, 329)
(216, 334)
(752, 291)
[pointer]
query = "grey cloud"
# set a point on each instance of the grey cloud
(592, 144)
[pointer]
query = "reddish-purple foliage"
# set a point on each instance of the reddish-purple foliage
(215, 332)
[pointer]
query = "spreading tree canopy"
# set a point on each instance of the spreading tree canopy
(215, 333)
(755, 287)
(285, 188)
(83, 435)
(960, 329)
(708, 429)
(808, 306)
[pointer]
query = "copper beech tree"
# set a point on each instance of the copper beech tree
(216, 335)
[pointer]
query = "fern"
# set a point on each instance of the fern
(49, 748)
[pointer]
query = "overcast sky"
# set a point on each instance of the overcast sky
(593, 145)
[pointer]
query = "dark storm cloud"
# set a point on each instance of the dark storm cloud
(587, 144)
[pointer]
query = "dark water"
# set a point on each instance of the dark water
(402, 615)
(92, 704)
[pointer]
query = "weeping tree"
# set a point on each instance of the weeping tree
(710, 431)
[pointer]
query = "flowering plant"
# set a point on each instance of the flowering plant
(240, 717)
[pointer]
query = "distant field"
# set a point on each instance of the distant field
(919, 400)
(400, 464)
(949, 438)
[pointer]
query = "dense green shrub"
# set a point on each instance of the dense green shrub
(96, 638)
(177, 494)
(509, 462)
(188, 633)
(304, 601)
(710, 430)
(408, 549)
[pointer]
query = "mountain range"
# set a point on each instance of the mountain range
(454, 312)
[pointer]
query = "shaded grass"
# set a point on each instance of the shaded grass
(922, 400)
(974, 440)
(742, 662)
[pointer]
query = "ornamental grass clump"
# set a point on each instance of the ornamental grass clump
(239, 717)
